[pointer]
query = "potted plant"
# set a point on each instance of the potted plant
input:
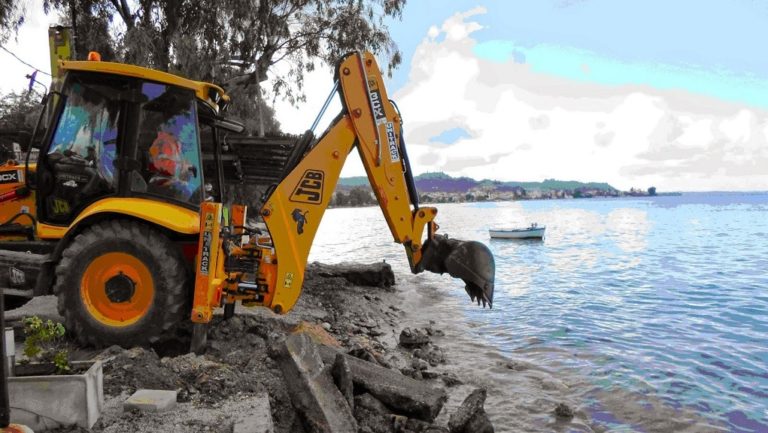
(47, 389)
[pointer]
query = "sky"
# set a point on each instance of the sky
(671, 94)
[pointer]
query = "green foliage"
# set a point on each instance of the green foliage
(235, 43)
(652, 191)
(44, 342)
(11, 17)
(358, 196)
(19, 110)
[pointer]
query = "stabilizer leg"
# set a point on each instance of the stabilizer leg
(199, 338)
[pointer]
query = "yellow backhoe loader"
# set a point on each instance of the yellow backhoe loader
(118, 218)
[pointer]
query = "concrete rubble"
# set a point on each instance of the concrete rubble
(402, 393)
(258, 419)
(151, 400)
(320, 403)
(334, 364)
(471, 416)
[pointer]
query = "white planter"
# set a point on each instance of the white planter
(44, 402)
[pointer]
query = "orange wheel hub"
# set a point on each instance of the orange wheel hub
(117, 289)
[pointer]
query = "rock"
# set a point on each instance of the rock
(479, 423)
(366, 322)
(430, 353)
(374, 274)
(368, 354)
(419, 364)
(470, 417)
(432, 331)
(375, 332)
(517, 365)
(418, 426)
(427, 374)
(403, 394)
(564, 411)
(342, 376)
(313, 393)
(450, 379)
(399, 423)
(371, 403)
(413, 338)
(326, 326)
(372, 416)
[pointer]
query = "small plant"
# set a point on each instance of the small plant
(45, 343)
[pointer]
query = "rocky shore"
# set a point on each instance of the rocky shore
(391, 378)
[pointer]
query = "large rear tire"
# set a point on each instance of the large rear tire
(121, 282)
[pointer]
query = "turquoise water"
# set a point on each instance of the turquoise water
(660, 300)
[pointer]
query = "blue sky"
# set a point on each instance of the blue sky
(713, 47)
(672, 94)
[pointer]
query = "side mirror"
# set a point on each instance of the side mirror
(32, 80)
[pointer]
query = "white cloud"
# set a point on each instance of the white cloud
(31, 45)
(529, 126)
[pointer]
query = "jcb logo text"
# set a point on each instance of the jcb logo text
(309, 188)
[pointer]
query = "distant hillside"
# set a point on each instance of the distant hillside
(437, 181)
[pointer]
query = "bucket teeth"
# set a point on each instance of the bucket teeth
(471, 261)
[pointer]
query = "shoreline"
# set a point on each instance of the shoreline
(221, 386)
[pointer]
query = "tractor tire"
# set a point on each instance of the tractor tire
(122, 282)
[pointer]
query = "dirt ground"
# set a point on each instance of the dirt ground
(219, 387)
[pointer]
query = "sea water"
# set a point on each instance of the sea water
(644, 314)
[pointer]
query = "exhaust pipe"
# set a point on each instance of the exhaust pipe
(471, 261)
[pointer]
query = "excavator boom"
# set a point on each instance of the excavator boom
(370, 122)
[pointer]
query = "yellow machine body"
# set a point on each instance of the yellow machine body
(229, 260)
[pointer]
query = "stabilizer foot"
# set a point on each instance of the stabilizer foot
(199, 338)
(229, 311)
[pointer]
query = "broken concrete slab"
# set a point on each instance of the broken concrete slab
(151, 400)
(342, 376)
(258, 420)
(403, 394)
(375, 274)
(371, 414)
(313, 393)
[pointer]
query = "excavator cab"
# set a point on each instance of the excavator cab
(118, 136)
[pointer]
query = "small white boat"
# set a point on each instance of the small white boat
(532, 232)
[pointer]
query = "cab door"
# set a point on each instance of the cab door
(78, 166)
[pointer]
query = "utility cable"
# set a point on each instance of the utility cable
(22, 61)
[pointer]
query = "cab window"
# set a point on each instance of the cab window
(83, 148)
(168, 144)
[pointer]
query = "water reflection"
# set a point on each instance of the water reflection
(643, 308)
(628, 228)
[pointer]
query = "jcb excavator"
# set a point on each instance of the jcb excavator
(119, 220)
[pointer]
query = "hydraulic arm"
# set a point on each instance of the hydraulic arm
(292, 211)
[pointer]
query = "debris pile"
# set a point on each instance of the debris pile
(334, 364)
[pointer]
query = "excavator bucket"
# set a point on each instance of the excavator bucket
(471, 261)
